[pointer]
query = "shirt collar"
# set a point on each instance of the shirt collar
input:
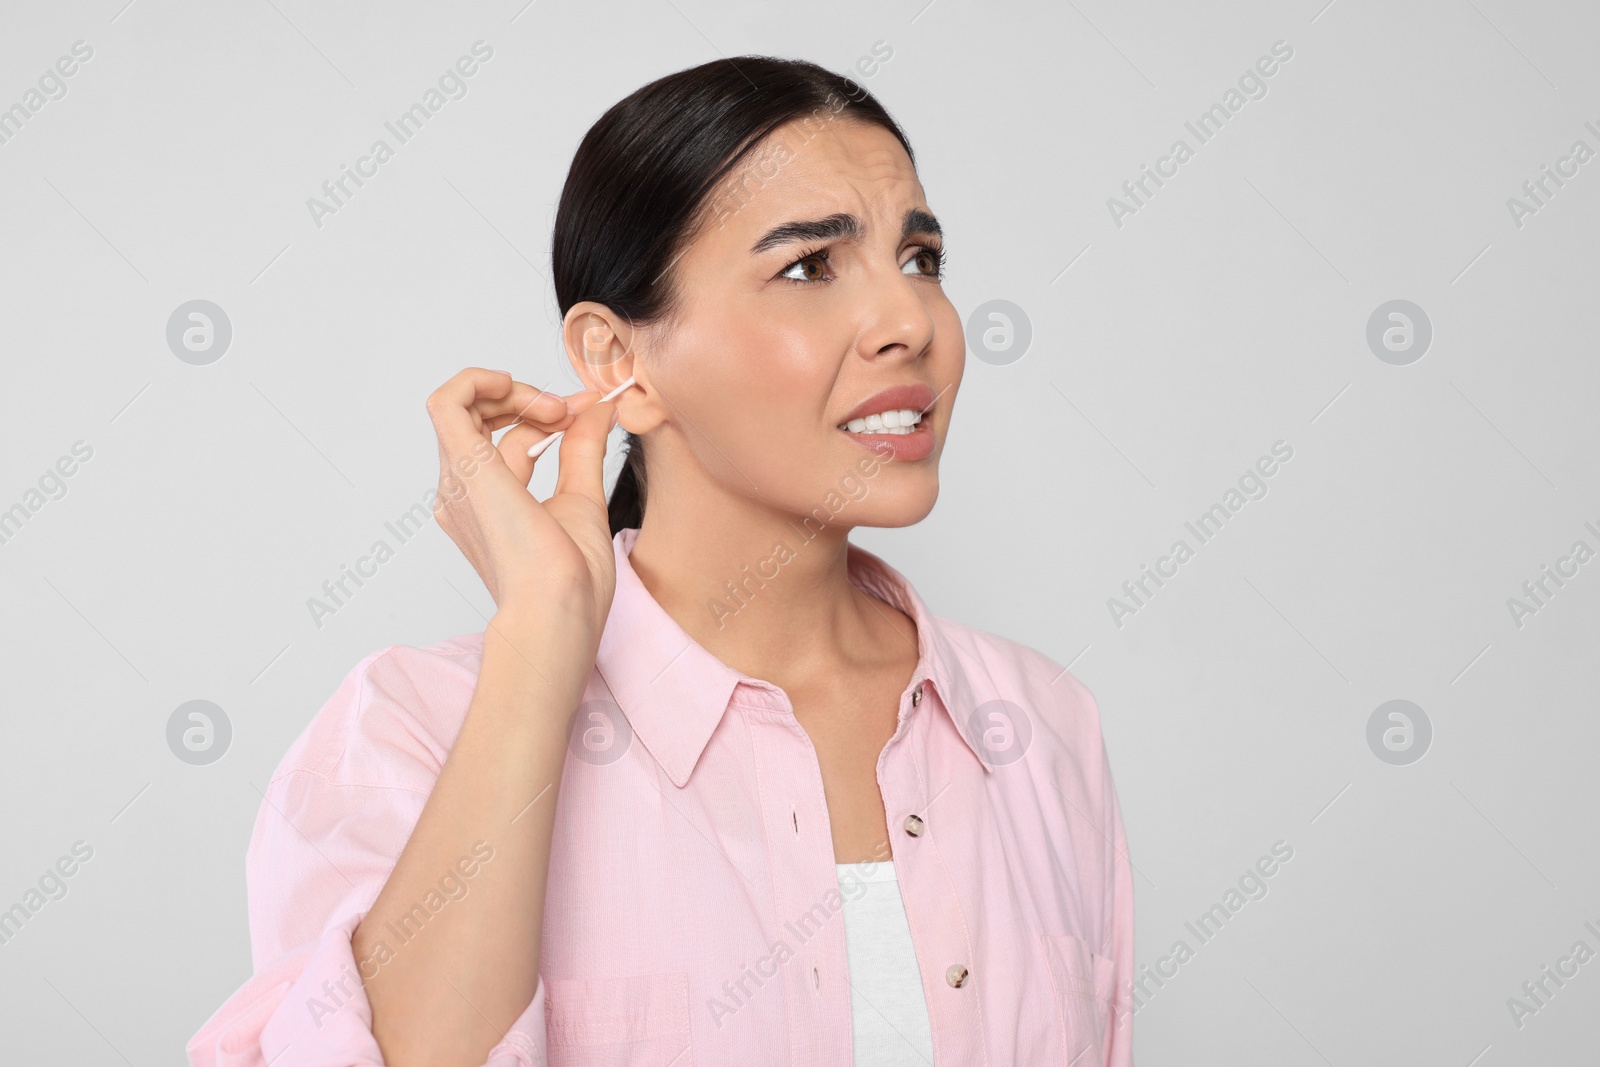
(674, 692)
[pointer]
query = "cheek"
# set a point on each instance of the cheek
(778, 433)
(755, 390)
(949, 356)
(800, 364)
(764, 374)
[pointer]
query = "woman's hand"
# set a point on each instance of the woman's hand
(533, 557)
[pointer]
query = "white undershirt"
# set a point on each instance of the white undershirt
(889, 1013)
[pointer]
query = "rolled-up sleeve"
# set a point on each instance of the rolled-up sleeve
(332, 824)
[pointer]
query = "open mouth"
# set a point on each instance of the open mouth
(899, 421)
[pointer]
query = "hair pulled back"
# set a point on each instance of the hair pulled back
(642, 181)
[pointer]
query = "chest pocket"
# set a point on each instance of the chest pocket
(1085, 983)
(635, 1020)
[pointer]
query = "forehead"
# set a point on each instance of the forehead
(811, 168)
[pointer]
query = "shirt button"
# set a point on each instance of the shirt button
(956, 975)
(913, 825)
(916, 696)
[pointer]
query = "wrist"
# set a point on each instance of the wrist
(553, 648)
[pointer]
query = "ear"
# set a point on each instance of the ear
(600, 347)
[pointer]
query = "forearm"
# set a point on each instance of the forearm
(446, 995)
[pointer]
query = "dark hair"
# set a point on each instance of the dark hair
(637, 190)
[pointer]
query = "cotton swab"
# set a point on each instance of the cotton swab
(548, 441)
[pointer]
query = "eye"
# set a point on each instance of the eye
(929, 261)
(812, 267)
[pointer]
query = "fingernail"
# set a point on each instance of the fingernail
(505, 372)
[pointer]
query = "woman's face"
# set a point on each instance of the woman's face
(812, 288)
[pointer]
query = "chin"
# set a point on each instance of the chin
(907, 506)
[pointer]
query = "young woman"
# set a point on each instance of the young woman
(713, 786)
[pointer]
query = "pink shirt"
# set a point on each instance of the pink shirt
(693, 910)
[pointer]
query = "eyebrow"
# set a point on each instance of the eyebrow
(840, 226)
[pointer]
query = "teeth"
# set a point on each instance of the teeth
(901, 421)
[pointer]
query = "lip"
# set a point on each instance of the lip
(916, 396)
(908, 447)
(903, 447)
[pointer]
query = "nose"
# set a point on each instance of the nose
(894, 317)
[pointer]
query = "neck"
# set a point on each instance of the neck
(764, 591)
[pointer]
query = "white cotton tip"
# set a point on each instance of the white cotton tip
(538, 449)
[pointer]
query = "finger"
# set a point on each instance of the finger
(583, 453)
(582, 401)
(449, 406)
(529, 402)
(577, 402)
(500, 422)
(514, 450)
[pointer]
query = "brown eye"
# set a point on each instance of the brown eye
(928, 261)
(813, 268)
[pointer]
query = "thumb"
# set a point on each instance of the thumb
(583, 454)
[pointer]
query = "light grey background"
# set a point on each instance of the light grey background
(1167, 355)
